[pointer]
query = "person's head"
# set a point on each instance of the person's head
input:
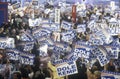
(14, 31)
(16, 75)
(111, 62)
(1, 29)
(97, 75)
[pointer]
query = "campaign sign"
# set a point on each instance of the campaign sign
(101, 25)
(40, 33)
(51, 26)
(13, 54)
(101, 56)
(26, 58)
(68, 36)
(58, 50)
(113, 52)
(16, 6)
(28, 46)
(7, 43)
(26, 36)
(66, 25)
(35, 3)
(114, 28)
(82, 52)
(67, 69)
(95, 40)
(81, 28)
(45, 40)
(103, 35)
(115, 43)
(54, 27)
(56, 62)
(117, 62)
(109, 75)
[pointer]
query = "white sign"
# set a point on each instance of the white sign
(26, 58)
(68, 36)
(82, 51)
(7, 43)
(81, 28)
(65, 25)
(67, 69)
(57, 16)
(101, 56)
(13, 54)
(112, 5)
(28, 46)
(44, 48)
(113, 52)
(40, 33)
(114, 28)
(110, 75)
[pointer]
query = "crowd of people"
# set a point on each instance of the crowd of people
(19, 23)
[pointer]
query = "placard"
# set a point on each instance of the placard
(25, 37)
(40, 33)
(28, 46)
(81, 28)
(101, 56)
(82, 51)
(110, 75)
(66, 25)
(67, 69)
(16, 6)
(7, 43)
(113, 52)
(95, 41)
(68, 36)
(114, 28)
(35, 3)
(43, 50)
(13, 54)
(57, 16)
(26, 58)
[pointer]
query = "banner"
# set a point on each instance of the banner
(7, 43)
(67, 69)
